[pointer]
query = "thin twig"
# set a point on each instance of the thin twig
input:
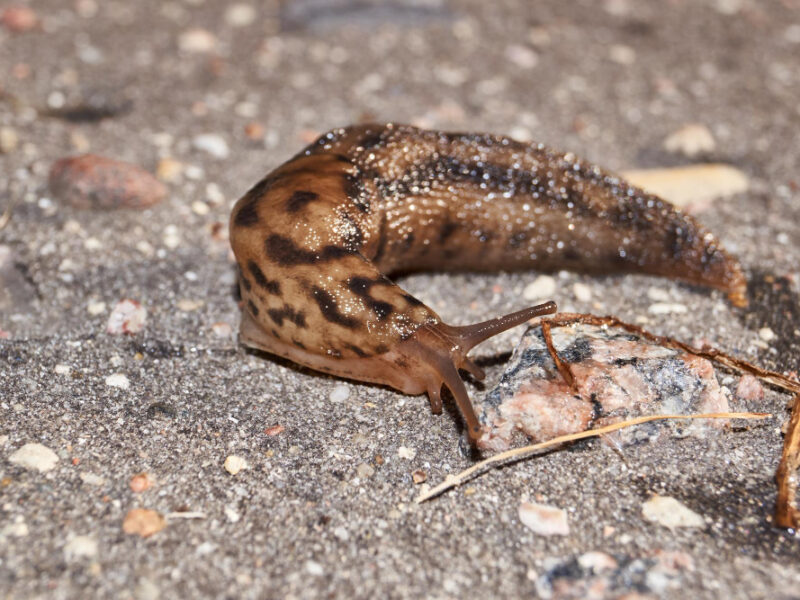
(786, 513)
(521, 453)
(740, 366)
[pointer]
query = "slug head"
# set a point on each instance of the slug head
(437, 351)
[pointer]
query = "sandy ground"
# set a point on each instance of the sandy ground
(326, 507)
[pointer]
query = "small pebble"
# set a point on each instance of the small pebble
(222, 330)
(19, 18)
(667, 308)
(240, 15)
(274, 430)
(80, 547)
(657, 294)
(92, 479)
(544, 519)
(582, 292)
(522, 56)
(254, 130)
(172, 237)
(339, 393)
(187, 305)
(749, 389)
(90, 181)
(419, 476)
(197, 41)
(96, 308)
(341, 533)
(365, 471)
(9, 140)
(669, 512)
(118, 380)
(212, 144)
(62, 369)
(597, 561)
(234, 464)
(143, 522)
(200, 208)
(691, 140)
(18, 530)
(128, 316)
(231, 514)
(169, 170)
(140, 482)
(766, 334)
(621, 54)
(314, 568)
(406, 452)
(34, 456)
(541, 288)
(691, 186)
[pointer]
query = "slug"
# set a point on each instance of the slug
(317, 238)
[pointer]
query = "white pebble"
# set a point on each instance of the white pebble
(341, 533)
(597, 561)
(666, 308)
(544, 519)
(34, 456)
(406, 452)
(62, 369)
(621, 54)
(657, 294)
(542, 287)
(187, 305)
(314, 568)
(92, 479)
(81, 546)
(232, 515)
(96, 308)
(118, 380)
(234, 464)
(522, 56)
(222, 330)
(200, 208)
(766, 334)
(339, 393)
(9, 140)
(128, 316)
(212, 144)
(582, 292)
(669, 512)
(240, 15)
(17, 530)
(691, 140)
(197, 41)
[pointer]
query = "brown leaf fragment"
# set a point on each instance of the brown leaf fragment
(786, 512)
(143, 522)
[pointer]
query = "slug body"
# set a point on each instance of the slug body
(317, 238)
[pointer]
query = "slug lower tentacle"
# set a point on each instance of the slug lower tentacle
(317, 238)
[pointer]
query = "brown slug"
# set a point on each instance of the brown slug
(316, 239)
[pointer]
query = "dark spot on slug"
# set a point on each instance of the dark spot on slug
(245, 282)
(381, 309)
(517, 239)
(273, 287)
(285, 252)
(356, 350)
(288, 313)
(300, 199)
(381, 349)
(252, 308)
(299, 344)
(412, 301)
(354, 190)
(408, 240)
(353, 237)
(247, 214)
(329, 309)
(371, 140)
(447, 229)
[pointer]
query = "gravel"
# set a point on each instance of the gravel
(141, 81)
